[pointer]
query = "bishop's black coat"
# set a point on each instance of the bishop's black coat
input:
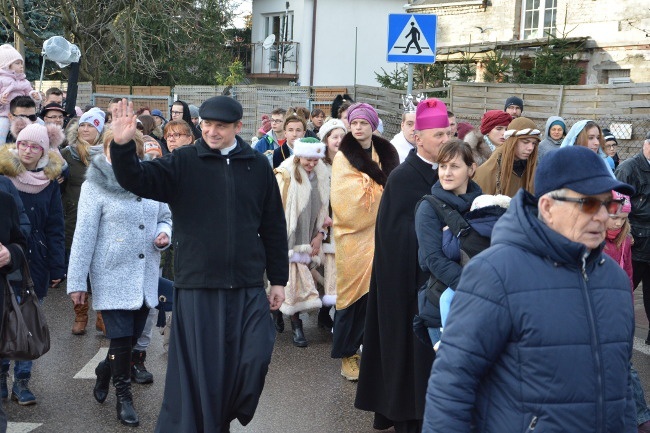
(396, 365)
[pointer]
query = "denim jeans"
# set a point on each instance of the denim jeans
(22, 369)
(445, 303)
(434, 335)
(642, 410)
(145, 337)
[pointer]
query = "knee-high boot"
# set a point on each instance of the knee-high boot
(103, 372)
(120, 360)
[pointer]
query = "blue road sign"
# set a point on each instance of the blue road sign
(412, 38)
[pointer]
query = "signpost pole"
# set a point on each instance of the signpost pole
(409, 85)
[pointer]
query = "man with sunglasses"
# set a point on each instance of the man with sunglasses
(540, 333)
(21, 106)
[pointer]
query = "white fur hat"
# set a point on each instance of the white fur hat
(329, 126)
(309, 148)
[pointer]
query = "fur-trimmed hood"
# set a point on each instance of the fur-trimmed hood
(100, 172)
(362, 161)
(11, 166)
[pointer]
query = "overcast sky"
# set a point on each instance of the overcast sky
(244, 9)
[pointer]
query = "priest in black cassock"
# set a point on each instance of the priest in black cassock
(395, 364)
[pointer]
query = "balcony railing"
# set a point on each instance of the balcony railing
(280, 60)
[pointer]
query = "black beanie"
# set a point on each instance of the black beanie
(513, 100)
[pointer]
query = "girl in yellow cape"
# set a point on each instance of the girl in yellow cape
(305, 188)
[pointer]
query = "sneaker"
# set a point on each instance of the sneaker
(350, 368)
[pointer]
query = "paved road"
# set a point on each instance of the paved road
(304, 390)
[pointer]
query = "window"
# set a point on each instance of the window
(280, 25)
(538, 18)
(275, 24)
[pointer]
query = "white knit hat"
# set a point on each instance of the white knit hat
(330, 125)
(309, 147)
(8, 55)
(95, 116)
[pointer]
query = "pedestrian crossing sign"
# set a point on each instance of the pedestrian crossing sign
(412, 38)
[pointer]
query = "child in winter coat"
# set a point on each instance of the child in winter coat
(305, 187)
(618, 245)
(12, 83)
(618, 242)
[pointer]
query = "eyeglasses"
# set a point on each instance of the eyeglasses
(177, 112)
(32, 147)
(54, 117)
(175, 135)
(591, 205)
(31, 117)
(277, 120)
(610, 146)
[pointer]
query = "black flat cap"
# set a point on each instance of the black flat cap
(53, 106)
(221, 108)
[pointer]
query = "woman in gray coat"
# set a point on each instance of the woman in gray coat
(117, 242)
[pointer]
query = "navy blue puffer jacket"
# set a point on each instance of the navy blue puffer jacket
(539, 338)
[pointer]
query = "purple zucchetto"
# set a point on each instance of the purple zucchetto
(364, 111)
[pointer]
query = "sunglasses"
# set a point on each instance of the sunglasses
(591, 205)
(31, 117)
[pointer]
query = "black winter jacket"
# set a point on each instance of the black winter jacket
(229, 224)
(636, 172)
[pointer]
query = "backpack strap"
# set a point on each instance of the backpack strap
(448, 215)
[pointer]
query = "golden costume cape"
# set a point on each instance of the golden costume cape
(357, 185)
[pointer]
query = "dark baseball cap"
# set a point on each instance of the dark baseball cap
(578, 169)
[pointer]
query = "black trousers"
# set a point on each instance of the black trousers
(349, 324)
(641, 274)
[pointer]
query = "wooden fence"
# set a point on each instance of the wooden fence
(624, 108)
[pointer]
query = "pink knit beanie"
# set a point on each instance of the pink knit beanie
(8, 55)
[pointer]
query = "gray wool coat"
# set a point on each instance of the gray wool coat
(114, 242)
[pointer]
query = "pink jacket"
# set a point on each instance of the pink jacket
(12, 85)
(622, 256)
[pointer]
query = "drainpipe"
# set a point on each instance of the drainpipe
(313, 43)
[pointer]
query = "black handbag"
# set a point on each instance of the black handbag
(24, 335)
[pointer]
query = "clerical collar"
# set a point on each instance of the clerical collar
(434, 165)
(227, 150)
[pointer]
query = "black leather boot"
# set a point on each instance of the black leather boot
(139, 373)
(299, 339)
(120, 360)
(324, 319)
(278, 320)
(103, 372)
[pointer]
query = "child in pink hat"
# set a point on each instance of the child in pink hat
(618, 242)
(12, 83)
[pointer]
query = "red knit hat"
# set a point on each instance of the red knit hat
(493, 118)
(463, 129)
